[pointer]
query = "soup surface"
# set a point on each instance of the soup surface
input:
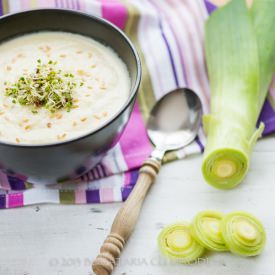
(55, 86)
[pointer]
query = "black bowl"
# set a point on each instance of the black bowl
(57, 162)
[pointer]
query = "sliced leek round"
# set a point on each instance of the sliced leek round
(176, 243)
(206, 229)
(224, 168)
(243, 233)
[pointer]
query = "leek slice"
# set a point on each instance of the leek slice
(176, 243)
(240, 54)
(243, 233)
(206, 230)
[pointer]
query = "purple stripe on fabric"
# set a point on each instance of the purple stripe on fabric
(2, 201)
(199, 143)
(1, 7)
(92, 174)
(167, 16)
(103, 170)
(125, 192)
(77, 5)
(56, 3)
(16, 184)
(268, 117)
(169, 53)
(209, 6)
(134, 176)
(92, 196)
(168, 49)
(98, 172)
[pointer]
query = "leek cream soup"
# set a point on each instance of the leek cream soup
(57, 86)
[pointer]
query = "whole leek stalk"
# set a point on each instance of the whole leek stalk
(240, 55)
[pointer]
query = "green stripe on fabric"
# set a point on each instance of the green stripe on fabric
(5, 6)
(67, 197)
(146, 96)
(34, 4)
(28, 185)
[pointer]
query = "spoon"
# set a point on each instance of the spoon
(173, 123)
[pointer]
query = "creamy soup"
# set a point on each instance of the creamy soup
(57, 86)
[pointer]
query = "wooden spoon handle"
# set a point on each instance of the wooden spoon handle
(125, 219)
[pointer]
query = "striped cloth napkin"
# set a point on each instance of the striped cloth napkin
(169, 37)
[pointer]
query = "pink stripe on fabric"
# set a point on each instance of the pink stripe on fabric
(152, 53)
(165, 11)
(182, 28)
(4, 183)
(106, 195)
(115, 11)
(80, 196)
(25, 4)
(15, 200)
(196, 49)
(46, 3)
(81, 4)
(127, 178)
(135, 136)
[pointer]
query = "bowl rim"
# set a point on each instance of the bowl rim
(133, 90)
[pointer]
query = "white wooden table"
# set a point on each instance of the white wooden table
(63, 240)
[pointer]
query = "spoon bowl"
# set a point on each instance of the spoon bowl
(174, 120)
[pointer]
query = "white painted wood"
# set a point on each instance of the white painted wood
(63, 240)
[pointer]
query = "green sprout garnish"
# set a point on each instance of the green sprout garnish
(47, 87)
